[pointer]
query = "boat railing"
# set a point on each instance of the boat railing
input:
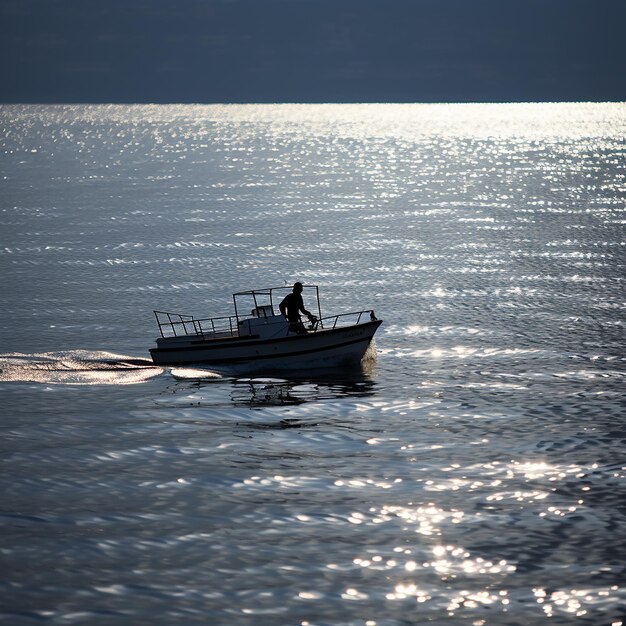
(346, 319)
(179, 324)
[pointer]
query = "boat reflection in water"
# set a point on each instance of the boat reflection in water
(264, 392)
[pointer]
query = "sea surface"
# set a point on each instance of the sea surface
(473, 473)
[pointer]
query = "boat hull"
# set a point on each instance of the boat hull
(323, 348)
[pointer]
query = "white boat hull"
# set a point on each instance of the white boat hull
(322, 348)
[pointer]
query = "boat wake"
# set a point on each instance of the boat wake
(76, 367)
(194, 373)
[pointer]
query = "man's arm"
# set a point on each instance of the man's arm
(301, 308)
(283, 307)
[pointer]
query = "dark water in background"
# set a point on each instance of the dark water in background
(475, 474)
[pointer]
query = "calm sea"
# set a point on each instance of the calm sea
(474, 474)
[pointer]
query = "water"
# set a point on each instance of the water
(474, 474)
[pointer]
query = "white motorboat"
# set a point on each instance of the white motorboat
(263, 337)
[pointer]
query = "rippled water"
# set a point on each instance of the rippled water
(474, 474)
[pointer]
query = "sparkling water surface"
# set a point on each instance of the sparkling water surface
(473, 473)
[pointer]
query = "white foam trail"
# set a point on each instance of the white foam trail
(189, 373)
(76, 367)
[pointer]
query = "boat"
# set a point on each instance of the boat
(264, 337)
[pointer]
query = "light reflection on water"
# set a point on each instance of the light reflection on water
(472, 473)
(76, 367)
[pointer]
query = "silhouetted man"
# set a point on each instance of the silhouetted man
(291, 306)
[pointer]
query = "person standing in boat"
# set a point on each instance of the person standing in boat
(291, 307)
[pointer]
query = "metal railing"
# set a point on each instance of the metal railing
(179, 324)
(345, 319)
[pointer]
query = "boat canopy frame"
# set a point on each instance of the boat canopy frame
(269, 293)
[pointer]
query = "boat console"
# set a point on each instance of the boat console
(265, 326)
